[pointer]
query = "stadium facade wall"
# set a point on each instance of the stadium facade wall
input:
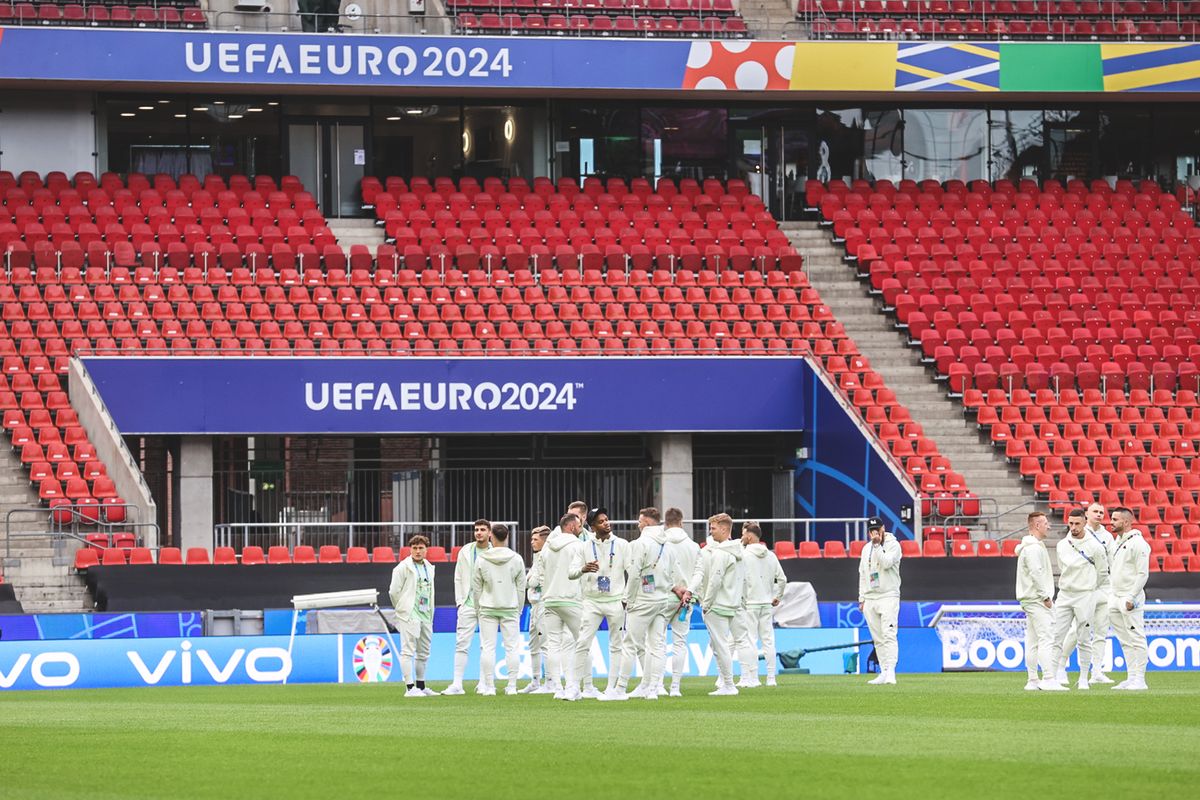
(26, 119)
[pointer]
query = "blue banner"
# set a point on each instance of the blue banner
(231, 59)
(434, 396)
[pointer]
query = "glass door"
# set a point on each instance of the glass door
(330, 157)
(772, 158)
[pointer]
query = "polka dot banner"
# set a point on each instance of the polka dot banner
(739, 66)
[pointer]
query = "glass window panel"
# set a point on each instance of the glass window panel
(1017, 145)
(945, 144)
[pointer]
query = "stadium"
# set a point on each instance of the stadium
(811, 369)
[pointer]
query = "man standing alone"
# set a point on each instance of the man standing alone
(879, 596)
(1035, 588)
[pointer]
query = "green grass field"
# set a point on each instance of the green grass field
(962, 736)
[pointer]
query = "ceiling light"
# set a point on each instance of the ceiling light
(272, 102)
(128, 114)
(236, 116)
(393, 119)
(218, 102)
(163, 102)
(200, 108)
(181, 116)
(254, 108)
(415, 112)
(145, 108)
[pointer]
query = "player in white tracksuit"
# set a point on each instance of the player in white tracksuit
(1094, 528)
(411, 592)
(1035, 590)
(1129, 569)
(650, 597)
(468, 617)
(562, 564)
(765, 583)
(719, 585)
(1083, 568)
(603, 584)
(537, 613)
(687, 552)
(498, 591)
(879, 596)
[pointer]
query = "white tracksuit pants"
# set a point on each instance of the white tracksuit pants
(721, 636)
(589, 622)
(562, 631)
(679, 636)
(762, 629)
(1039, 640)
(415, 638)
(1100, 627)
(1078, 611)
(468, 621)
(883, 615)
(1131, 633)
(537, 639)
(510, 632)
(744, 643)
(646, 642)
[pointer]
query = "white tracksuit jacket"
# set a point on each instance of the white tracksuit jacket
(562, 564)
(686, 549)
(650, 555)
(1035, 580)
(765, 580)
(883, 562)
(464, 571)
(613, 557)
(498, 585)
(1083, 566)
(403, 590)
(1130, 568)
(718, 580)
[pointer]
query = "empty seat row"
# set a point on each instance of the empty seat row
(604, 25)
(165, 16)
(930, 548)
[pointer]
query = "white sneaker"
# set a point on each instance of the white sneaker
(1083, 685)
(490, 691)
(749, 684)
(429, 692)
(660, 691)
(1122, 685)
(561, 694)
(613, 695)
(415, 692)
(876, 681)
(545, 688)
(771, 682)
(889, 678)
(675, 691)
(1100, 677)
(1053, 686)
(1034, 685)
(1137, 686)
(454, 688)
(510, 689)
(571, 695)
(1061, 676)
(640, 691)
(724, 691)
(650, 696)
(589, 693)
(530, 687)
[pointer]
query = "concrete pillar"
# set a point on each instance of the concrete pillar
(196, 492)
(671, 454)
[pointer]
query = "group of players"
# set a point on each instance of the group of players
(1102, 580)
(582, 574)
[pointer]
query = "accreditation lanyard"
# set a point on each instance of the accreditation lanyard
(661, 547)
(1086, 557)
(612, 549)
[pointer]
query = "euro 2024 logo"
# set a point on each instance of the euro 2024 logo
(372, 659)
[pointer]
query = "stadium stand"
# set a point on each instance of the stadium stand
(184, 15)
(1064, 317)
(155, 266)
(1001, 19)
(659, 18)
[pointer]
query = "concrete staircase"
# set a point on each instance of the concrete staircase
(38, 567)
(356, 231)
(985, 470)
(771, 19)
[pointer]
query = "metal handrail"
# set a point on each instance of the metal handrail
(226, 533)
(854, 528)
(56, 532)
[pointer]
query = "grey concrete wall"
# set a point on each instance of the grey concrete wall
(196, 492)
(671, 454)
(110, 447)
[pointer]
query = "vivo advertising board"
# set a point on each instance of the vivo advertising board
(420, 395)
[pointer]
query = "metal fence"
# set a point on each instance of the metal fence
(449, 535)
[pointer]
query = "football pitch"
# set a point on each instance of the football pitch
(961, 736)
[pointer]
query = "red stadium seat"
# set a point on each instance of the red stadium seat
(330, 554)
(252, 554)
